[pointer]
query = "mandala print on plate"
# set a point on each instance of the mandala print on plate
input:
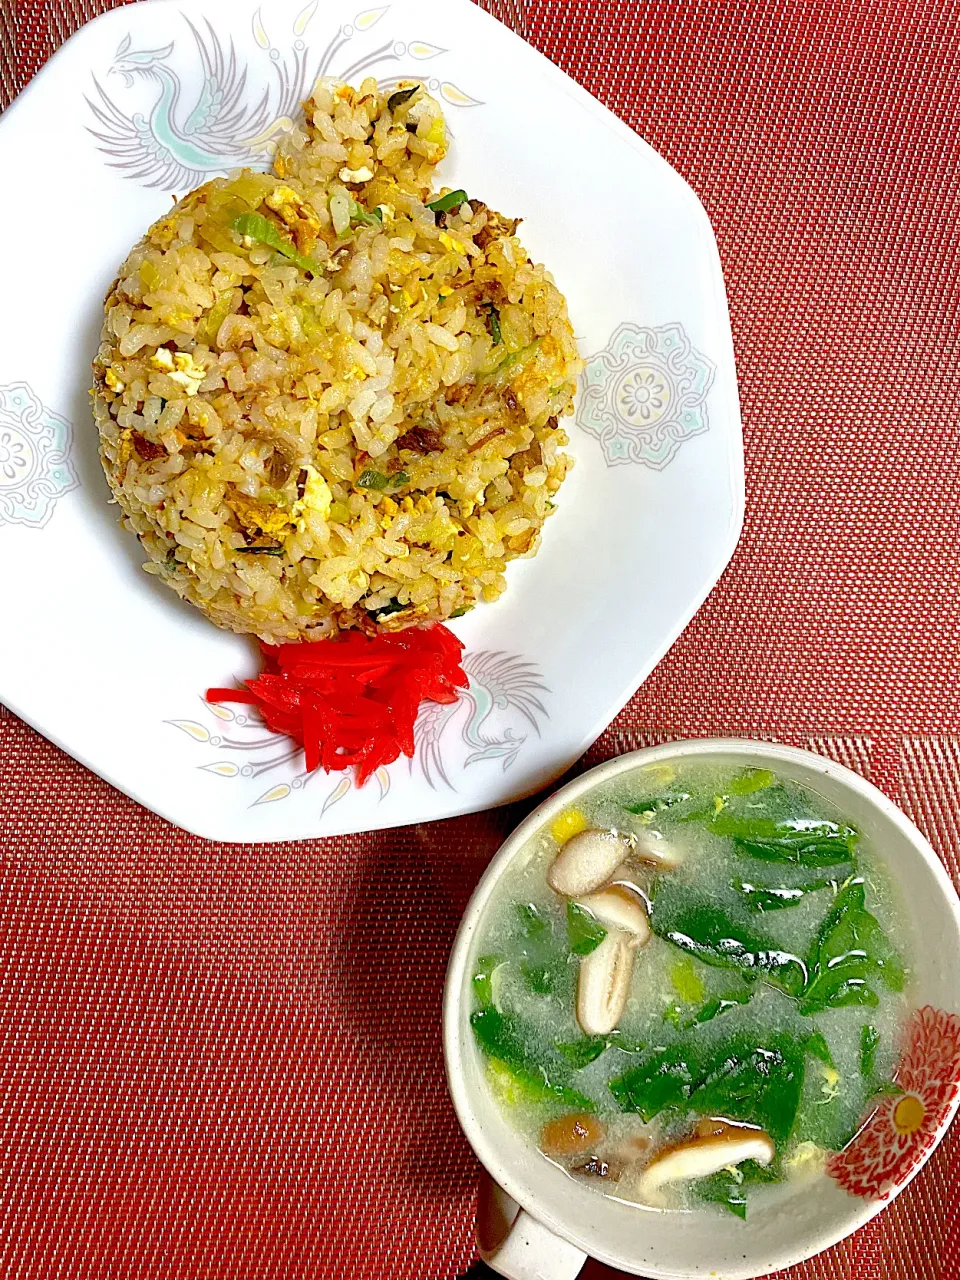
(495, 715)
(644, 394)
(233, 120)
(896, 1136)
(35, 466)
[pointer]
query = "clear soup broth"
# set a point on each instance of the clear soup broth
(689, 986)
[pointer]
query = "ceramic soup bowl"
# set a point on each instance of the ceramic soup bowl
(536, 1221)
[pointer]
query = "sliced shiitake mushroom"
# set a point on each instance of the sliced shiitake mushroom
(652, 849)
(604, 983)
(587, 861)
(703, 1155)
(618, 907)
(571, 1135)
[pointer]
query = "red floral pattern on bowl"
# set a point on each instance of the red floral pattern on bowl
(899, 1132)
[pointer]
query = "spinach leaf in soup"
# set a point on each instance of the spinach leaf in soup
(618, 1039)
(543, 962)
(661, 1081)
(832, 1107)
(584, 930)
(647, 810)
(772, 822)
(730, 1187)
(516, 1083)
(850, 956)
(580, 1053)
(533, 924)
(817, 1047)
(869, 1043)
(756, 1083)
(725, 1188)
(710, 934)
(760, 898)
(482, 980)
(737, 797)
(503, 1036)
(719, 1005)
(792, 888)
(810, 842)
(544, 978)
(741, 1079)
(507, 1039)
(689, 986)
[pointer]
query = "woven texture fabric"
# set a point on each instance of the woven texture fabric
(224, 1061)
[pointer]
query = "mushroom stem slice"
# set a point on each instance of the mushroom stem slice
(604, 984)
(702, 1156)
(619, 908)
(657, 852)
(587, 861)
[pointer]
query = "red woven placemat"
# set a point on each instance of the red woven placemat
(224, 1061)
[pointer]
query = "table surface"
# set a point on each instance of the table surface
(224, 1061)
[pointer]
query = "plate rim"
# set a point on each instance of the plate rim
(734, 474)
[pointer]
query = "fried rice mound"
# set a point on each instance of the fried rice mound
(322, 403)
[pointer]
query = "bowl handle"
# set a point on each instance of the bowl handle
(516, 1245)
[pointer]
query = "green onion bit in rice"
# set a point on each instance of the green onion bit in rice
(453, 200)
(259, 228)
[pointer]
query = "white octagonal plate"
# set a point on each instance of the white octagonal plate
(109, 664)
